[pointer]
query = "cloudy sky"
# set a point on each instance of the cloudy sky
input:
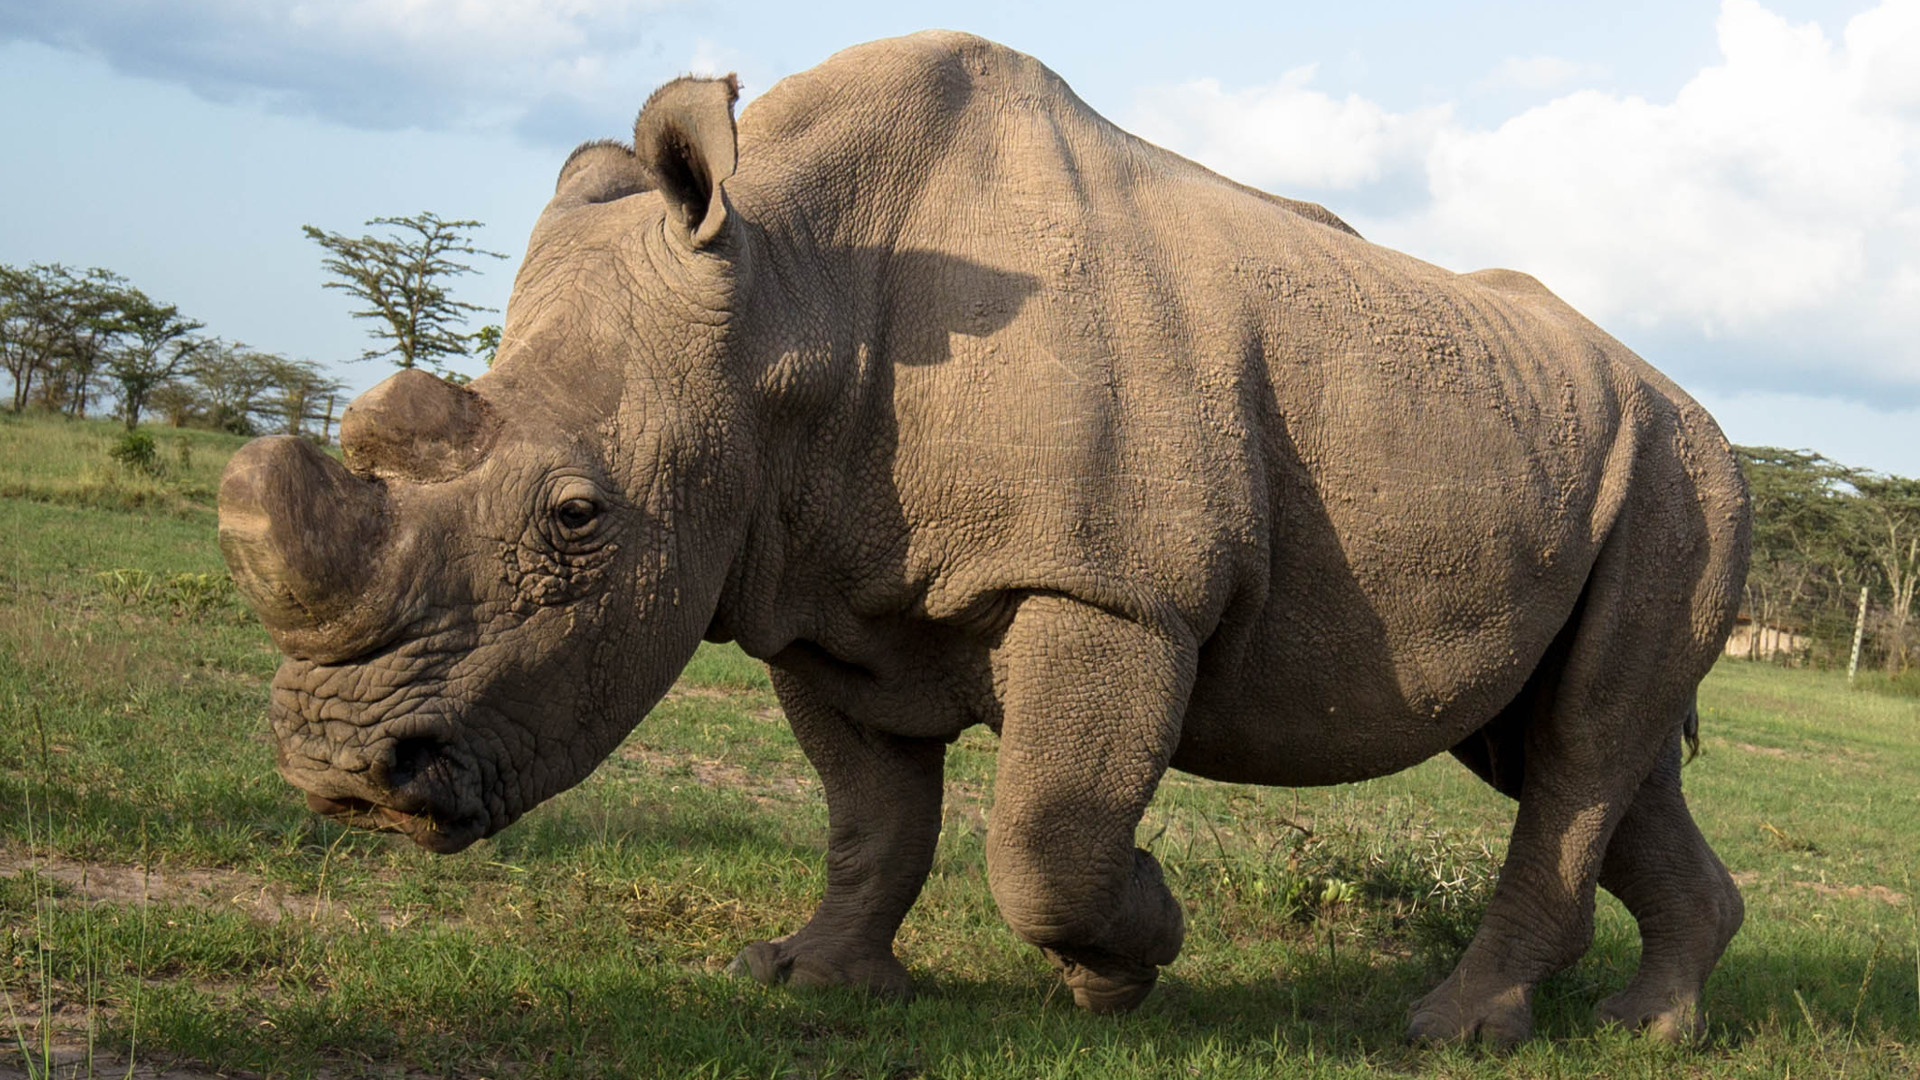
(1731, 188)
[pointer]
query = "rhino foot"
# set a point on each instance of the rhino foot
(787, 960)
(1664, 1016)
(1103, 982)
(1453, 1013)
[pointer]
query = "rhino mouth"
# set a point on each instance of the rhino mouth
(437, 831)
(412, 787)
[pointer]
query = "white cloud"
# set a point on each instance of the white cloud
(1287, 133)
(1885, 43)
(370, 63)
(1764, 224)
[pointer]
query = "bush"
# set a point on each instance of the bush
(135, 451)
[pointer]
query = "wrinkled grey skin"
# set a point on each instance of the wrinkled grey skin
(958, 406)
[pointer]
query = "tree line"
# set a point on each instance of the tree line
(75, 340)
(71, 338)
(1822, 533)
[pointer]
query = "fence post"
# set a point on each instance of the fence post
(1859, 630)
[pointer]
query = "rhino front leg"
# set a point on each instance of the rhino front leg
(1091, 707)
(883, 811)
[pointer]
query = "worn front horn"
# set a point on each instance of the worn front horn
(301, 536)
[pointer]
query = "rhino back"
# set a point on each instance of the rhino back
(1100, 369)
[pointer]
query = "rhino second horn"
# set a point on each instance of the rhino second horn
(415, 426)
(301, 534)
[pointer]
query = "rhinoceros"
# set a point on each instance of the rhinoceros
(957, 405)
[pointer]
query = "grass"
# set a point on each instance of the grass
(161, 887)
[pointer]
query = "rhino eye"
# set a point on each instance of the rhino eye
(575, 515)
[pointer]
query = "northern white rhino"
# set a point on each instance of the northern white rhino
(958, 405)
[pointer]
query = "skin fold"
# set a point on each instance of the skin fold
(958, 405)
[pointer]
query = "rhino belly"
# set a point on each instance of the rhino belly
(1336, 685)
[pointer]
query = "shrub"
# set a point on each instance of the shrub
(135, 451)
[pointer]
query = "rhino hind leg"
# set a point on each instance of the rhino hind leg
(1680, 893)
(1091, 713)
(1588, 739)
(883, 809)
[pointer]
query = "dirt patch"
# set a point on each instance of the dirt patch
(72, 1026)
(763, 788)
(71, 1060)
(1768, 751)
(1854, 892)
(766, 714)
(1749, 878)
(212, 890)
(1844, 755)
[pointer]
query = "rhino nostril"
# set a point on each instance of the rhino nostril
(411, 757)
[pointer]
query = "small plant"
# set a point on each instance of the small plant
(135, 452)
(188, 595)
(182, 454)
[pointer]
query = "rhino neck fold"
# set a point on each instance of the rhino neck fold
(808, 347)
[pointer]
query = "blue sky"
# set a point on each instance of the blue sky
(1730, 188)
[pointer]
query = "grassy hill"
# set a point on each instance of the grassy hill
(164, 894)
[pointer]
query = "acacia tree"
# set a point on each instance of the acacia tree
(84, 324)
(486, 343)
(23, 319)
(1801, 529)
(299, 389)
(1890, 540)
(179, 401)
(56, 325)
(158, 344)
(233, 381)
(401, 277)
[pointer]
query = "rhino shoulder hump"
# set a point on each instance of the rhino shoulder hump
(1512, 282)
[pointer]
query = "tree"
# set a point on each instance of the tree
(84, 325)
(299, 389)
(401, 278)
(233, 381)
(486, 343)
(24, 310)
(158, 345)
(179, 401)
(1800, 531)
(1891, 542)
(55, 325)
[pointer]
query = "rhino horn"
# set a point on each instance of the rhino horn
(301, 536)
(415, 426)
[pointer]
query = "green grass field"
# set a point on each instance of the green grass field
(166, 898)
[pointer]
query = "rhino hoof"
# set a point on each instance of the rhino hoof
(1669, 1018)
(1498, 1020)
(1105, 984)
(777, 962)
(762, 962)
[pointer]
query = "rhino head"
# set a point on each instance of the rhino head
(502, 578)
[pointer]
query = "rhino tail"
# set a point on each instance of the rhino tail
(1690, 729)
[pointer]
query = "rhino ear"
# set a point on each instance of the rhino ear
(598, 172)
(685, 141)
